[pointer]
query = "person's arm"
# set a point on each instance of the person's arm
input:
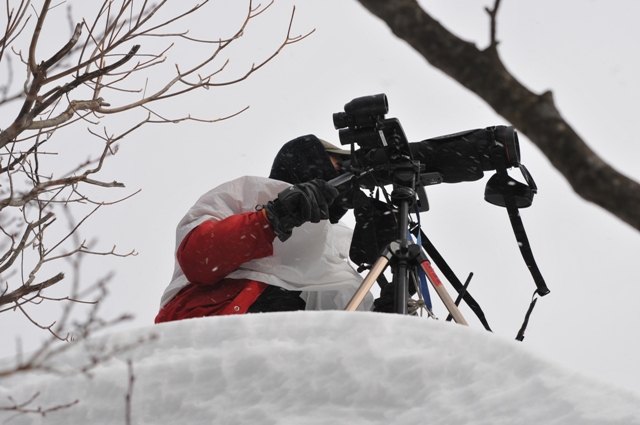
(216, 248)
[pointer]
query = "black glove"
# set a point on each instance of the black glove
(298, 204)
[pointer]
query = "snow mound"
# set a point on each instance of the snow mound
(315, 368)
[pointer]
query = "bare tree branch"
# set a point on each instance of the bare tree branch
(26, 119)
(119, 55)
(10, 259)
(15, 296)
(23, 407)
(13, 28)
(36, 35)
(74, 105)
(129, 396)
(39, 261)
(535, 115)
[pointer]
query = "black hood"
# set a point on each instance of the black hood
(304, 159)
(301, 160)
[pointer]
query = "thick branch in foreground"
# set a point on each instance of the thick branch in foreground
(536, 116)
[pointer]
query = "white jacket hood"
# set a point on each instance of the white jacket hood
(313, 260)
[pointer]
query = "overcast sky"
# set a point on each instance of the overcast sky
(584, 51)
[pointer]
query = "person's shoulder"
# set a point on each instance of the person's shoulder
(252, 184)
(255, 182)
(243, 193)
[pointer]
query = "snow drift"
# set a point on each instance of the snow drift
(315, 368)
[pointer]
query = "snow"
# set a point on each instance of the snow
(315, 368)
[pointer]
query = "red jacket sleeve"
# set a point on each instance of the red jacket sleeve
(216, 248)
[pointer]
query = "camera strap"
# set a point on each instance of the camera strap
(517, 225)
(519, 232)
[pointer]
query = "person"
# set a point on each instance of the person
(259, 244)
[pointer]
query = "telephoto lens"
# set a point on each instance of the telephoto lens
(464, 156)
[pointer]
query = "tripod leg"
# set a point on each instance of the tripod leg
(443, 294)
(367, 283)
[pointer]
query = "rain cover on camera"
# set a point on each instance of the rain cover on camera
(459, 157)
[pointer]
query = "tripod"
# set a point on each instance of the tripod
(404, 256)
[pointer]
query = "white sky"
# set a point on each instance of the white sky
(582, 50)
(317, 368)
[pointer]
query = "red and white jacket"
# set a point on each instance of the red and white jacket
(226, 251)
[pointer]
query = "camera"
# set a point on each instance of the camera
(385, 156)
(457, 157)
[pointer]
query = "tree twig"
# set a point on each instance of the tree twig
(493, 13)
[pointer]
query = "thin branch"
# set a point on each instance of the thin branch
(163, 92)
(23, 242)
(74, 106)
(493, 13)
(13, 20)
(23, 291)
(64, 51)
(190, 118)
(129, 395)
(73, 230)
(22, 408)
(36, 35)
